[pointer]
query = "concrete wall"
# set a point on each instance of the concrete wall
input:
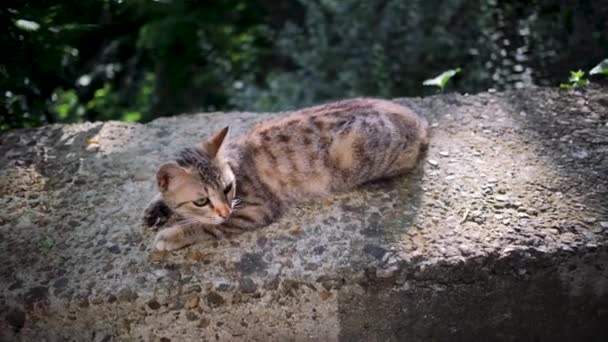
(500, 234)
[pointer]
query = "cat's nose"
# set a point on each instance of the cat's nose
(222, 211)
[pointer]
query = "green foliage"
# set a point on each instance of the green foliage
(388, 48)
(576, 80)
(27, 25)
(441, 80)
(359, 48)
(281, 92)
(600, 69)
(125, 60)
(70, 61)
(66, 104)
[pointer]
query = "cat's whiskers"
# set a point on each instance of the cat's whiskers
(236, 204)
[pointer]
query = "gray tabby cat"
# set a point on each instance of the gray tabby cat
(224, 187)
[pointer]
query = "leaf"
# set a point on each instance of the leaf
(132, 116)
(576, 76)
(577, 79)
(601, 68)
(27, 25)
(441, 80)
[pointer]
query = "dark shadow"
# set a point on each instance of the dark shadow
(448, 302)
(25, 147)
(570, 130)
(35, 163)
(525, 295)
(397, 200)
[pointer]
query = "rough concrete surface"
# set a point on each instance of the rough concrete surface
(500, 234)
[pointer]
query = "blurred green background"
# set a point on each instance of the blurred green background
(69, 61)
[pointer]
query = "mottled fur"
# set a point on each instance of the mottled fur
(304, 155)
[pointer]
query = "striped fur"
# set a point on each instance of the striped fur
(304, 155)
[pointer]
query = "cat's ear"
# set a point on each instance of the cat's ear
(213, 145)
(167, 174)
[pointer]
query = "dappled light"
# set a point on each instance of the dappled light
(489, 196)
(164, 175)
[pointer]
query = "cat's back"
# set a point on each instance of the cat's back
(337, 112)
(335, 146)
(363, 115)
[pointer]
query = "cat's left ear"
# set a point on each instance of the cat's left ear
(213, 145)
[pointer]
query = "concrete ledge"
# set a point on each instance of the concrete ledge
(500, 234)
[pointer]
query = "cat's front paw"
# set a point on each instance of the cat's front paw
(170, 239)
(156, 214)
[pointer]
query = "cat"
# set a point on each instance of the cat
(228, 186)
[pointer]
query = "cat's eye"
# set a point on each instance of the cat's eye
(227, 189)
(201, 202)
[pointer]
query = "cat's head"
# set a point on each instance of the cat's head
(200, 186)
